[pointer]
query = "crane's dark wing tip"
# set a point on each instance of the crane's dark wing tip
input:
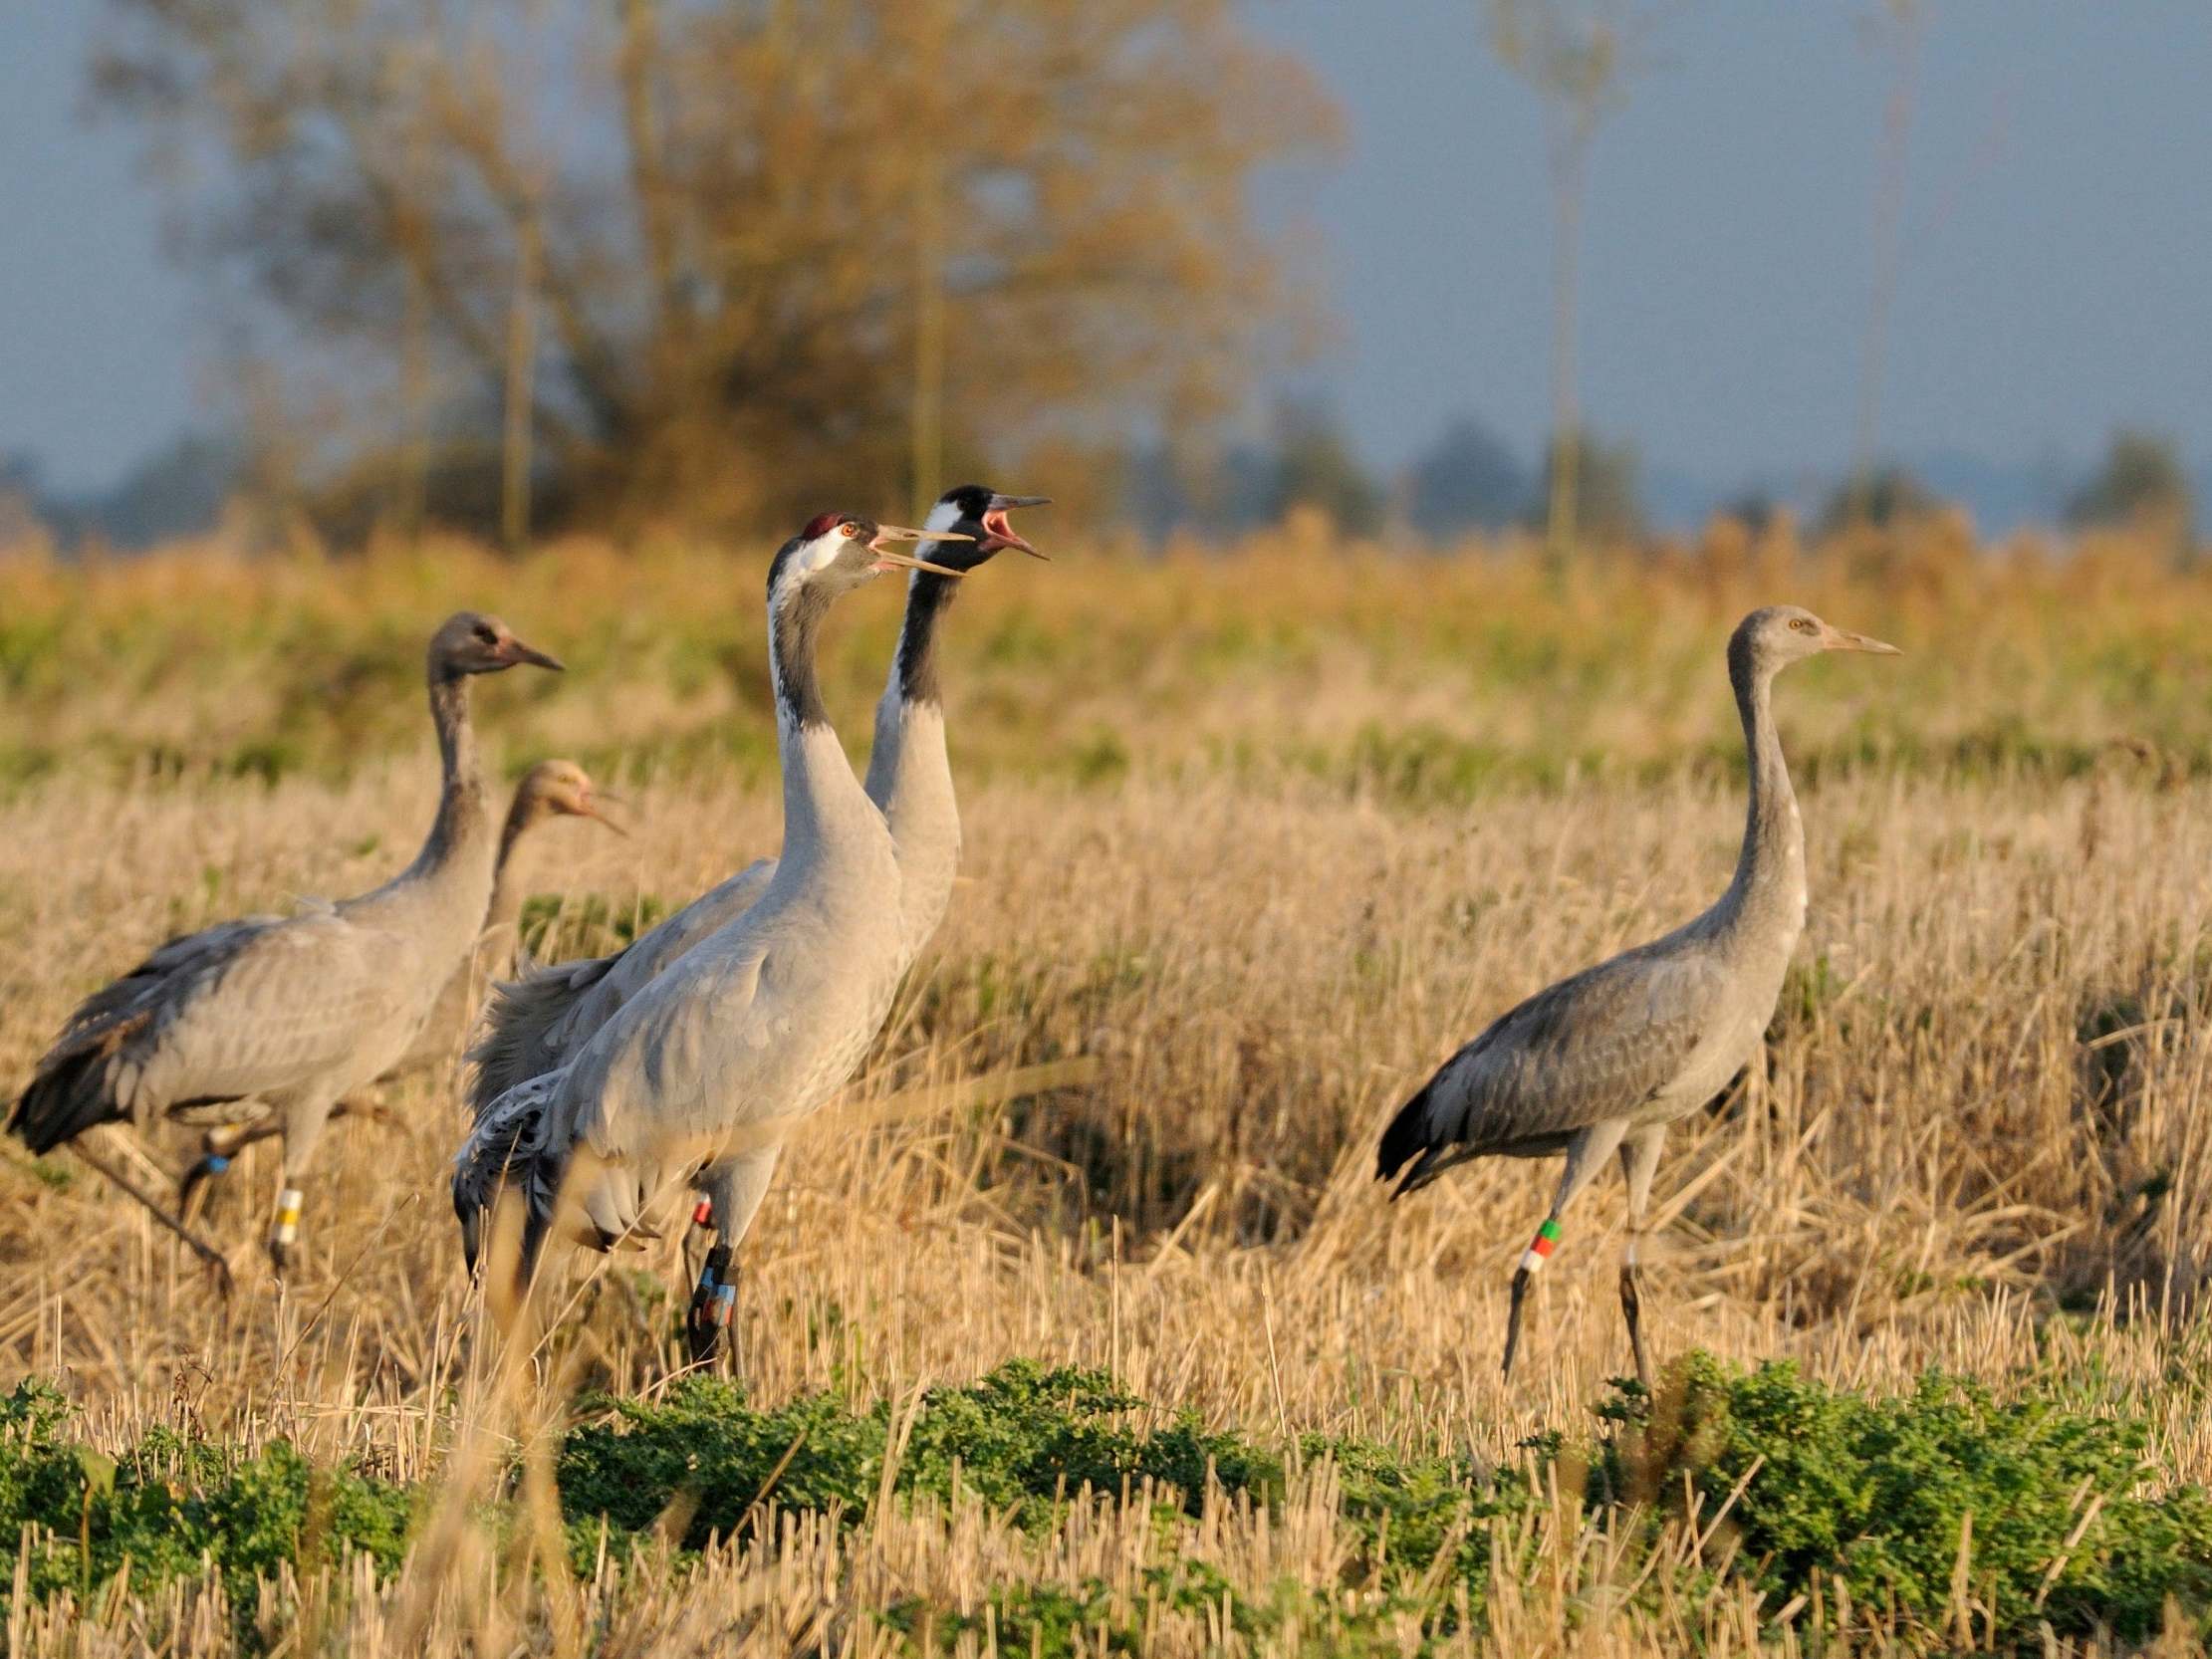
(1406, 1136)
(70, 1094)
(471, 1218)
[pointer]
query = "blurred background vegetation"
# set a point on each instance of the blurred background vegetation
(1293, 657)
(530, 269)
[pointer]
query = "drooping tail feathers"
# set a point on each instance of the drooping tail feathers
(1404, 1139)
(517, 1029)
(87, 1078)
(508, 1148)
(67, 1097)
(75, 1086)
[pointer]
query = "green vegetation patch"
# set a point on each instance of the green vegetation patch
(2037, 1508)
(2041, 1510)
(174, 1504)
(1024, 1440)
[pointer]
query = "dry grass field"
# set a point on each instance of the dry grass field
(1261, 835)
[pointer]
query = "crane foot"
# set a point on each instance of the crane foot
(214, 1259)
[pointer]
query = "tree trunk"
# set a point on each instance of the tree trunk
(648, 177)
(929, 338)
(522, 357)
(1569, 171)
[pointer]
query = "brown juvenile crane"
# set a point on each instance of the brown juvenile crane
(292, 1013)
(1604, 1061)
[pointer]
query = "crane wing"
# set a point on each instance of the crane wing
(540, 1022)
(247, 1008)
(1594, 1046)
(666, 1070)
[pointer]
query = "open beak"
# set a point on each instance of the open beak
(1838, 640)
(997, 533)
(514, 650)
(885, 558)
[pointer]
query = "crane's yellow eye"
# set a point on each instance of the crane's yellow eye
(849, 529)
(1801, 625)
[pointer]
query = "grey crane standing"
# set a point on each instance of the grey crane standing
(551, 789)
(534, 1024)
(1604, 1061)
(760, 1021)
(292, 1013)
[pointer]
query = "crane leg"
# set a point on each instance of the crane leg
(735, 1192)
(217, 1147)
(1585, 1153)
(199, 1247)
(221, 1144)
(1639, 1161)
(1513, 1313)
(301, 1129)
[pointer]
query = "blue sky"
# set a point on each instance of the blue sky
(2057, 264)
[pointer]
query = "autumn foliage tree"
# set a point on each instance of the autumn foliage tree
(2140, 486)
(720, 260)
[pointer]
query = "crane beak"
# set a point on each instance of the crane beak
(997, 533)
(885, 558)
(1838, 640)
(591, 810)
(512, 651)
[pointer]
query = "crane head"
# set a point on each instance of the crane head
(561, 787)
(837, 550)
(980, 513)
(470, 642)
(1770, 638)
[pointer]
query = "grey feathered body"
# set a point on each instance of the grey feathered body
(539, 1023)
(1648, 1035)
(536, 1024)
(495, 954)
(269, 1010)
(764, 1019)
(753, 1027)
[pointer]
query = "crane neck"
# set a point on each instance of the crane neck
(795, 618)
(506, 904)
(825, 808)
(928, 596)
(461, 821)
(910, 775)
(909, 771)
(1770, 870)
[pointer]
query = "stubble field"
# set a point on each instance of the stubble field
(1254, 838)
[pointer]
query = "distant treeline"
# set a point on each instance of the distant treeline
(1468, 480)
